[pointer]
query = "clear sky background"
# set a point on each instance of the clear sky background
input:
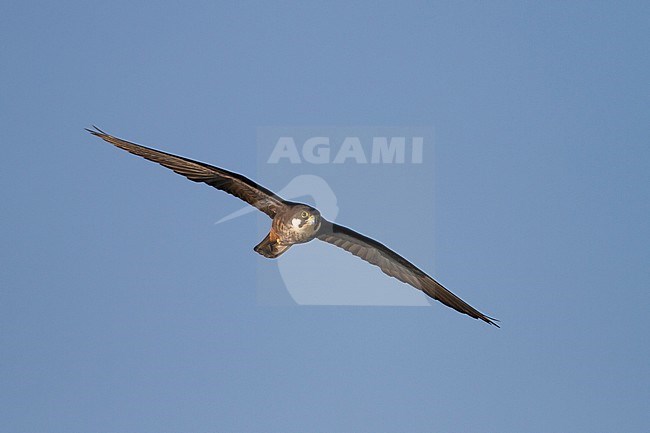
(123, 308)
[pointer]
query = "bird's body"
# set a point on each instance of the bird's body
(296, 223)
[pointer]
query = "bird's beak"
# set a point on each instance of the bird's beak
(311, 219)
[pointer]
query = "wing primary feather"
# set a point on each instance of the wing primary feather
(228, 181)
(396, 266)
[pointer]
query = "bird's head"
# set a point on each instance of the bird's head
(305, 218)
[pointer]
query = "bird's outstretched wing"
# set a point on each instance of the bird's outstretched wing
(395, 265)
(232, 183)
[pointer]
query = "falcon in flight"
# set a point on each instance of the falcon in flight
(297, 223)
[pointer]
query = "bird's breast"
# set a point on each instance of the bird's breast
(290, 233)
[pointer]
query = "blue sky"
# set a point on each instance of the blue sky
(124, 308)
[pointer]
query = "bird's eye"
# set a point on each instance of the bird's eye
(304, 214)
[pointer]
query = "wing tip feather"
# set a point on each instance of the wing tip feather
(96, 131)
(490, 320)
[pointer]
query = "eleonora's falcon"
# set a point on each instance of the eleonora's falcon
(297, 223)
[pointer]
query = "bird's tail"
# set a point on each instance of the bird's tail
(269, 248)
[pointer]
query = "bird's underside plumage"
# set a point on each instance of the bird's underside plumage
(295, 223)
